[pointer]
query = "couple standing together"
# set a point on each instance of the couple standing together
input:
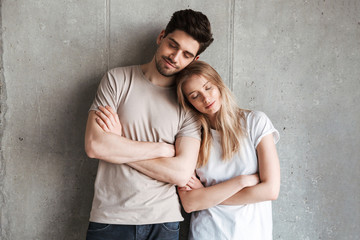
(149, 146)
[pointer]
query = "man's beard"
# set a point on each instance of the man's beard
(162, 71)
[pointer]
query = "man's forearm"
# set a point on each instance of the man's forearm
(117, 149)
(163, 169)
(176, 170)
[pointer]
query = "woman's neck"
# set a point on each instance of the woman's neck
(212, 120)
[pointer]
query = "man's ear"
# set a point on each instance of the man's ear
(196, 58)
(160, 37)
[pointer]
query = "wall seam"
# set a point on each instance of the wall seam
(231, 44)
(3, 109)
(107, 34)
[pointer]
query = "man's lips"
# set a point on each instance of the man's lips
(169, 63)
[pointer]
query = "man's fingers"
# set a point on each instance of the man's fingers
(102, 124)
(107, 113)
(114, 114)
(104, 119)
(110, 110)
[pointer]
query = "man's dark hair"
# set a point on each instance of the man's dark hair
(194, 23)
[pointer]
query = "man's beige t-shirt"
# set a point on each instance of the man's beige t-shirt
(150, 113)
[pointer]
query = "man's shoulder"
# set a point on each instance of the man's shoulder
(124, 69)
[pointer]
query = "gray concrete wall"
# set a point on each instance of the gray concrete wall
(298, 61)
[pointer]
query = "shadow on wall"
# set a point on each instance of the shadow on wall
(79, 172)
(73, 210)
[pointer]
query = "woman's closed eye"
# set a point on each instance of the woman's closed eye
(194, 96)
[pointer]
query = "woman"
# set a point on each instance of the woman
(235, 142)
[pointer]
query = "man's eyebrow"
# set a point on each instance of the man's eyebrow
(173, 40)
(177, 44)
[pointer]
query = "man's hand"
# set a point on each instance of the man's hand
(108, 120)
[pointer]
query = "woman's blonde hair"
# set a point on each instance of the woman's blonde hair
(228, 118)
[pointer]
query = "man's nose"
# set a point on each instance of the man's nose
(175, 56)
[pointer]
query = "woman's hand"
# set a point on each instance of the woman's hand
(194, 183)
(249, 180)
(108, 120)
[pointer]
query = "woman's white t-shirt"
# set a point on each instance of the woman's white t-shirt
(249, 221)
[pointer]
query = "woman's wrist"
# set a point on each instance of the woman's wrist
(248, 180)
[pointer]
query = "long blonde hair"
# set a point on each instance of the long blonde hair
(228, 119)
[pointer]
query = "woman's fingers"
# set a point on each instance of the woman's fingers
(195, 183)
(186, 188)
(182, 188)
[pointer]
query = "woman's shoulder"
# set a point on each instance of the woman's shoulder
(255, 119)
(252, 115)
(259, 124)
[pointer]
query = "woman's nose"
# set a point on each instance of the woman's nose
(206, 99)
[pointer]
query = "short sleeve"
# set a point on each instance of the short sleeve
(259, 125)
(190, 126)
(106, 94)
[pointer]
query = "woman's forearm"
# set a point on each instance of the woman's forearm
(203, 198)
(264, 191)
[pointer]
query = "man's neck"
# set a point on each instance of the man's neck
(153, 75)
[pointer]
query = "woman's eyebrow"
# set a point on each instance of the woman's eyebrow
(195, 90)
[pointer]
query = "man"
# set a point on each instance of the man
(135, 196)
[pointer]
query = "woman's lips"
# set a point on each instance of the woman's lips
(210, 105)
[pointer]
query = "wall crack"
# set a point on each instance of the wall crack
(3, 109)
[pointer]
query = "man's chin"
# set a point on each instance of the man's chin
(165, 71)
(168, 73)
